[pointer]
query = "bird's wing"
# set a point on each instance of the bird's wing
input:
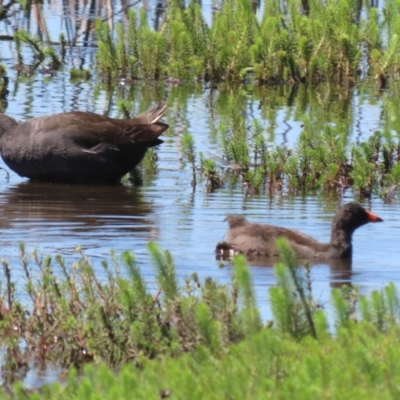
(117, 136)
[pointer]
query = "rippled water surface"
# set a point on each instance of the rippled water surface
(166, 208)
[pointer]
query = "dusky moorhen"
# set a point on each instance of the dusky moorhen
(79, 147)
(256, 240)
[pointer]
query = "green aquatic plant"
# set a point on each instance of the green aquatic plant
(187, 38)
(209, 171)
(78, 74)
(364, 172)
(360, 362)
(285, 46)
(106, 54)
(34, 43)
(40, 52)
(145, 172)
(3, 84)
(189, 154)
(254, 181)
(324, 158)
(63, 46)
(195, 339)
(75, 315)
(124, 106)
(144, 63)
(55, 61)
(330, 41)
(292, 302)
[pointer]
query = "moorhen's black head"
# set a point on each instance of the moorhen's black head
(351, 216)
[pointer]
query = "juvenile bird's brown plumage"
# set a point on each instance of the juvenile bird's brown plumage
(260, 240)
(80, 147)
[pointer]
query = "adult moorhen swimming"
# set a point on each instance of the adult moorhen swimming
(79, 147)
(260, 240)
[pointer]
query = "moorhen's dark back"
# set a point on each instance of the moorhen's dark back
(80, 147)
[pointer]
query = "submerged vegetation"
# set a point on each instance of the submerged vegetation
(195, 339)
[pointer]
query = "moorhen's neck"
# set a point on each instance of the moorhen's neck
(349, 218)
(341, 237)
(7, 124)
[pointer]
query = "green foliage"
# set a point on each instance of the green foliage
(243, 286)
(106, 53)
(145, 63)
(74, 317)
(77, 74)
(291, 300)
(210, 342)
(3, 85)
(209, 171)
(324, 157)
(34, 43)
(165, 272)
(189, 153)
(41, 53)
(188, 148)
(149, 163)
(284, 46)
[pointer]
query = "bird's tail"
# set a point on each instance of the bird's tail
(152, 115)
(223, 250)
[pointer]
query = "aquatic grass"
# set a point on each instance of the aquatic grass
(148, 166)
(106, 53)
(199, 339)
(4, 80)
(292, 304)
(321, 160)
(78, 74)
(209, 171)
(285, 46)
(34, 43)
(74, 315)
(144, 63)
(187, 37)
(124, 106)
(40, 52)
(384, 53)
(189, 154)
(328, 42)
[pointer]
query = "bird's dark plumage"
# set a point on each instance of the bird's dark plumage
(260, 240)
(79, 147)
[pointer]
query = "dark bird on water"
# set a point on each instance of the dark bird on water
(79, 147)
(256, 240)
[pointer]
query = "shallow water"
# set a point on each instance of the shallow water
(56, 218)
(167, 209)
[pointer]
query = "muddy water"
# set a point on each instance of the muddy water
(167, 209)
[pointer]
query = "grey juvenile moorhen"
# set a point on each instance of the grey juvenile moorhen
(79, 147)
(260, 240)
